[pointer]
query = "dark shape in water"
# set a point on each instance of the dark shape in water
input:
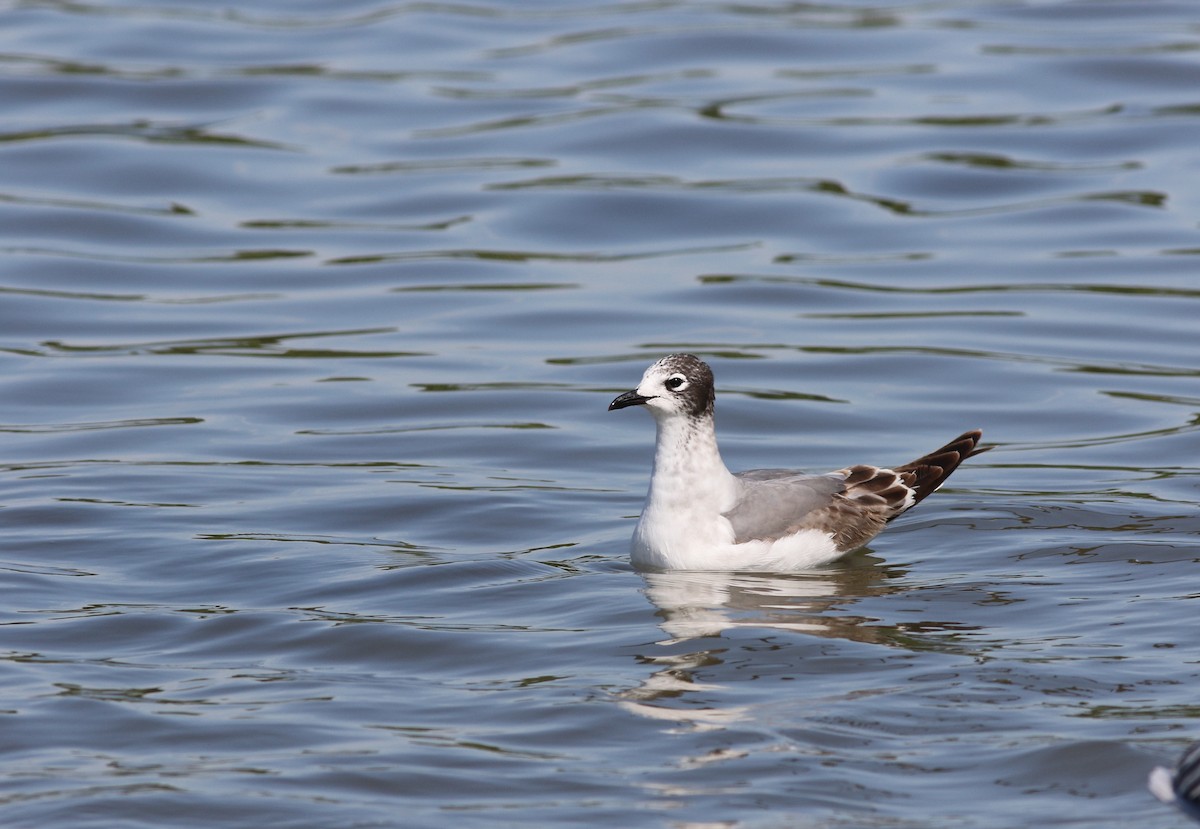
(1183, 786)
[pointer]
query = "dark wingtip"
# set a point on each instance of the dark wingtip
(931, 471)
(974, 436)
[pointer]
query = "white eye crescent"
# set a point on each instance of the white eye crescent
(676, 382)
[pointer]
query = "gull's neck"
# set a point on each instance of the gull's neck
(687, 465)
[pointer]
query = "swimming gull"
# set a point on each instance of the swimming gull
(700, 516)
(1182, 785)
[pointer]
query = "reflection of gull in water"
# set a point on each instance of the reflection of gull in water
(673, 680)
(711, 609)
(696, 604)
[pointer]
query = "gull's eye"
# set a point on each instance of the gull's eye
(676, 382)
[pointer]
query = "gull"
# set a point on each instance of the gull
(700, 516)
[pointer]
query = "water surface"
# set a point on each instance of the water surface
(312, 511)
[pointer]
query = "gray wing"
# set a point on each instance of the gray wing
(774, 502)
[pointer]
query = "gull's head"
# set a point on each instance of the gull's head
(678, 385)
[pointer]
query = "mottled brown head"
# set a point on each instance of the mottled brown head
(677, 385)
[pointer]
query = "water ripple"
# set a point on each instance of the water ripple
(137, 423)
(270, 345)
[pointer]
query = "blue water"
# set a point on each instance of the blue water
(312, 514)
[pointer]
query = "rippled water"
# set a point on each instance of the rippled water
(312, 511)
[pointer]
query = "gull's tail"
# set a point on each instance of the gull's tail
(924, 475)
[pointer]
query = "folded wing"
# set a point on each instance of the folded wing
(853, 504)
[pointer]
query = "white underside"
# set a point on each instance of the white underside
(683, 526)
(805, 549)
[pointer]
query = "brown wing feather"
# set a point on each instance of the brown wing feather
(926, 474)
(874, 495)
